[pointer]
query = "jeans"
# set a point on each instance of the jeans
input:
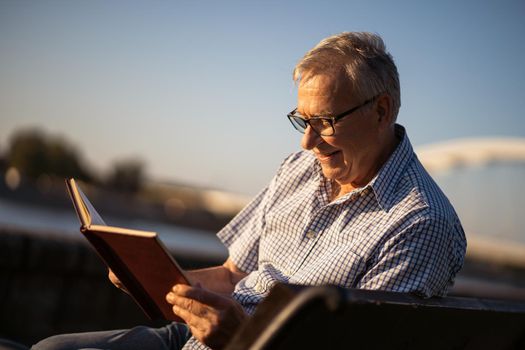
(170, 337)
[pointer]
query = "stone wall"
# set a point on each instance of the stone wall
(52, 283)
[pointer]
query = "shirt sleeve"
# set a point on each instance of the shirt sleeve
(422, 259)
(242, 235)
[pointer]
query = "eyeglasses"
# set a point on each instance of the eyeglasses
(323, 126)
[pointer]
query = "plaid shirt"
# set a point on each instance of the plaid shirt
(398, 233)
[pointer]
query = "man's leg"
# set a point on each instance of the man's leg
(170, 337)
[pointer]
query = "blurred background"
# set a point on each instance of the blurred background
(173, 113)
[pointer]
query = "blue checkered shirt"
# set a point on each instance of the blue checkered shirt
(398, 233)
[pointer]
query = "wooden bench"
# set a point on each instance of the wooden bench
(295, 317)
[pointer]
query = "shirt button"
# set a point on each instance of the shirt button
(310, 234)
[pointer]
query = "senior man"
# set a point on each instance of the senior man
(356, 209)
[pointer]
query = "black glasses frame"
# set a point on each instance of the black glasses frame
(301, 123)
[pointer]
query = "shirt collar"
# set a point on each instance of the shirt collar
(385, 182)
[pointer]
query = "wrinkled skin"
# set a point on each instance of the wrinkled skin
(213, 318)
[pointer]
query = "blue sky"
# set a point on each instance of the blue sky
(200, 89)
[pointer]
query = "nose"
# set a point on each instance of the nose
(310, 138)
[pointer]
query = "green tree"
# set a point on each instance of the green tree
(127, 176)
(34, 153)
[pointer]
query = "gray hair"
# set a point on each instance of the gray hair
(369, 67)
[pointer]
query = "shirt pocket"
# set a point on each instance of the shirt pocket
(280, 242)
(341, 267)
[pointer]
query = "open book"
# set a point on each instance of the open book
(138, 258)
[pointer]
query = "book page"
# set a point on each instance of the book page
(93, 214)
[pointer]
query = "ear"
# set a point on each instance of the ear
(384, 109)
(381, 111)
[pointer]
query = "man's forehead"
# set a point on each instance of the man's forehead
(321, 92)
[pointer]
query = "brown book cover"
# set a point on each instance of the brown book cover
(139, 259)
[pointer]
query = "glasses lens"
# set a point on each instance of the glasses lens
(298, 123)
(322, 126)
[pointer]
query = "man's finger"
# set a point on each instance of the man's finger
(193, 306)
(196, 323)
(200, 294)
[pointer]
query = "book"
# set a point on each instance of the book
(139, 259)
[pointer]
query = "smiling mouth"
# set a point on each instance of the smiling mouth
(325, 157)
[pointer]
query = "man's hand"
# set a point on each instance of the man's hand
(212, 318)
(116, 282)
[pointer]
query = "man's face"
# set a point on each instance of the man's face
(348, 156)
